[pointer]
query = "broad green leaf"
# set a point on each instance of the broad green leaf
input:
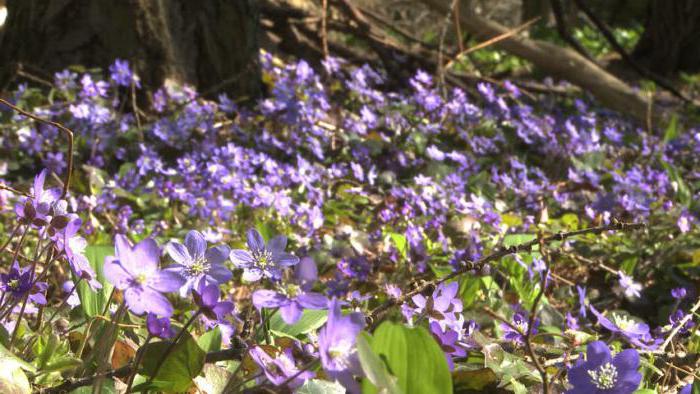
(310, 320)
(106, 388)
(374, 368)
(478, 379)
(400, 242)
(517, 239)
(214, 380)
(413, 357)
(13, 380)
(678, 183)
(94, 302)
(210, 341)
(645, 391)
(672, 130)
(505, 365)
(180, 367)
(316, 386)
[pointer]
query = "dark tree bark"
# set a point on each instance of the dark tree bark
(211, 44)
(671, 39)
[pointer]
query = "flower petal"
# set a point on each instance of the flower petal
(222, 309)
(306, 273)
(219, 273)
(268, 299)
(285, 259)
(291, 313)
(116, 274)
(196, 244)
(156, 303)
(165, 281)
(146, 255)
(277, 244)
(218, 254)
(255, 240)
(178, 252)
(597, 353)
(252, 275)
(241, 258)
(313, 300)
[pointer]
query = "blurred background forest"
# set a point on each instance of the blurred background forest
(635, 56)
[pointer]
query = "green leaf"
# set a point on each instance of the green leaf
(413, 357)
(678, 184)
(210, 341)
(311, 320)
(505, 365)
(214, 380)
(374, 368)
(94, 302)
(517, 239)
(179, 369)
(400, 242)
(316, 386)
(13, 380)
(106, 388)
(672, 131)
(645, 391)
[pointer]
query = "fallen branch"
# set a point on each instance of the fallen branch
(559, 62)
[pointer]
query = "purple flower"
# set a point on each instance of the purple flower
(74, 247)
(134, 270)
(676, 318)
(582, 305)
(336, 343)
(631, 288)
(68, 288)
(122, 74)
(36, 209)
(263, 260)
(602, 373)
(448, 341)
(207, 299)
(679, 293)
(444, 306)
(293, 298)
(635, 332)
(159, 327)
(195, 262)
(281, 368)
(521, 322)
(18, 282)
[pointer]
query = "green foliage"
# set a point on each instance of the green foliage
(311, 320)
(412, 356)
(181, 366)
(95, 302)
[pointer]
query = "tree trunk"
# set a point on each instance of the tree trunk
(211, 44)
(671, 39)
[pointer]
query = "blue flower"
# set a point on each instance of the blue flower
(602, 373)
(263, 260)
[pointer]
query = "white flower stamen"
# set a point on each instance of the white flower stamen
(604, 377)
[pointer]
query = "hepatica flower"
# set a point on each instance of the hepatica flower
(263, 260)
(194, 262)
(443, 306)
(159, 327)
(281, 368)
(602, 373)
(448, 341)
(134, 270)
(36, 209)
(635, 332)
(74, 246)
(521, 322)
(631, 288)
(17, 282)
(293, 298)
(336, 343)
(207, 299)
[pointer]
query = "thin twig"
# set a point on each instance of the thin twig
(493, 40)
(479, 264)
(678, 327)
(69, 136)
